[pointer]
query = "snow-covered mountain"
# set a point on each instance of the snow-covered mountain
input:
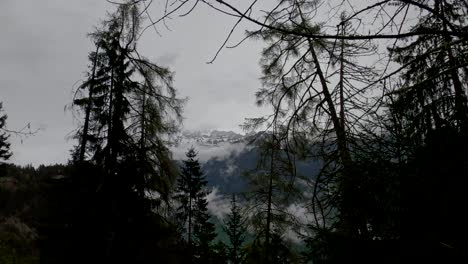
(226, 157)
(209, 138)
(209, 144)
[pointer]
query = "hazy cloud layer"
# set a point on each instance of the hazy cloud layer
(218, 204)
(221, 151)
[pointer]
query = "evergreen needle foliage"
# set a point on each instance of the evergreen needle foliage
(192, 212)
(235, 228)
(5, 153)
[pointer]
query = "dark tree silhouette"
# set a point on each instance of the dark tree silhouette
(193, 212)
(122, 168)
(203, 232)
(270, 191)
(235, 228)
(130, 109)
(189, 187)
(5, 153)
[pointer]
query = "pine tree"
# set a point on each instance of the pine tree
(203, 232)
(432, 93)
(5, 153)
(123, 166)
(186, 193)
(130, 109)
(270, 191)
(312, 101)
(427, 128)
(235, 229)
(193, 212)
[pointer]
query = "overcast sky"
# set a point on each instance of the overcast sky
(44, 51)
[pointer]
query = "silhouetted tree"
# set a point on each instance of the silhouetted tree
(220, 253)
(192, 212)
(269, 193)
(432, 93)
(236, 231)
(122, 166)
(189, 184)
(203, 232)
(280, 252)
(5, 153)
(130, 107)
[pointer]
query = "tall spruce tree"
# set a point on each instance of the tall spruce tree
(189, 184)
(123, 165)
(204, 231)
(236, 230)
(193, 212)
(130, 108)
(433, 88)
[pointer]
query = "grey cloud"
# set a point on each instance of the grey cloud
(218, 204)
(44, 52)
(221, 151)
(168, 59)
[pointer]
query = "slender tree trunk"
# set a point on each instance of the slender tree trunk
(351, 221)
(142, 146)
(109, 123)
(267, 254)
(190, 214)
(84, 138)
(143, 121)
(339, 129)
(342, 107)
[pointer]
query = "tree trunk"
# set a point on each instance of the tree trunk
(84, 138)
(268, 254)
(140, 187)
(342, 107)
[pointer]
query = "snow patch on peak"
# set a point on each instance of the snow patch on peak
(209, 137)
(209, 144)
